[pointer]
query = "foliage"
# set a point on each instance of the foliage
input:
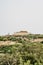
(23, 52)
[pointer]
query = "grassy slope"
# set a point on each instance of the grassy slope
(23, 53)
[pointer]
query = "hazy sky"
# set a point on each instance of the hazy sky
(16, 15)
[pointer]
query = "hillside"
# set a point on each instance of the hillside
(21, 49)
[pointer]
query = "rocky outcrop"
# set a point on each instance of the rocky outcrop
(21, 33)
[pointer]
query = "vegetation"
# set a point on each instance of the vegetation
(23, 52)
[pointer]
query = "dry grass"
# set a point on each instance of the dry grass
(37, 40)
(6, 43)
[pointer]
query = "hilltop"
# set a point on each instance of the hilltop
(21, 33)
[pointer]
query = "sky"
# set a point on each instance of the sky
(17, 15)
